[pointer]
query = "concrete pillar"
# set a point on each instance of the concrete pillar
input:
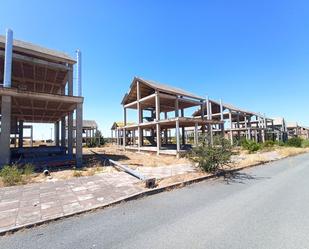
(79, 132)
(165, 130)
(7, 75)
(183, 138)
(70, 115)
(20, 133)
(231, 128)
(5, 153)
(176, 107)
(57, 133)
(177, 137)
(124, 137)
(158, 128)
(63, 132)
(196, 134)
(31, 136)
(70, 133)
(117, 136)
(139, 116)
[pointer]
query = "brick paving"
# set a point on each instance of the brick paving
(166, 171)
(38, 202)
(33, 203)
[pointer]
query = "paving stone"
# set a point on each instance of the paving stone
(7, 221)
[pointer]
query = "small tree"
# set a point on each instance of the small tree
(212, 158)
(97, 141)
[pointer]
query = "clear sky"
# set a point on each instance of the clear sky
(252, 54)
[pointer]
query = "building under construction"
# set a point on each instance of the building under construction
(38, 88)
(165, 123)
(238, 123)
(162, 115)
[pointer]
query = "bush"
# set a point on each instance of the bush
(11, 175)
(28, 169)
(212, 158)
(269, 144)
(305, 143)
(280, 143)
(250, 145)
(294, 142)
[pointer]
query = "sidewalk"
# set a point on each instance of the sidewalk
(26, 205)
(35, 203)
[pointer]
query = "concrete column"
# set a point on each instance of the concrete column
(196, 134)
(117, 137)
(165, 130)
(176, 107)
(70, 115)
(124, 116)
(70, 133)
(7, 75)
(231, 128)
(57, 133)
(5, 153)
(124, 137)
(177, 137)
(20, 133)
(183, 129)
(211, 134)
(158, 128)
(70, 80)
(79, 132)
(139, 116)
(31, 136)
(63, 132)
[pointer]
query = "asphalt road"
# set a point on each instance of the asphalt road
(261, 207)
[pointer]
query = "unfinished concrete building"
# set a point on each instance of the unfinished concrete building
(38, 88)
(162, 114)
(280, 129)
(238, 123)
(89, 130)
(116, 132)
(296, 130)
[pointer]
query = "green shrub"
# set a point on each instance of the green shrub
(11, 175)
(269, 144)
(294, 142)
(305, 143)
(251, 145)
(212, 158)
(28, 169)
(280, 143)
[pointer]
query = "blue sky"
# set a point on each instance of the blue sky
(253, 54)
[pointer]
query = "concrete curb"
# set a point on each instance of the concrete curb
(134, 197)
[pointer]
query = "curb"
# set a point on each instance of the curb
(134, 197)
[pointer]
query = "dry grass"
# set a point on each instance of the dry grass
(290, 151)
(136, 159)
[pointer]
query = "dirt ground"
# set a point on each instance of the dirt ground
(136, 159)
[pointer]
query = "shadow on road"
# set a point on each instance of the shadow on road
(239, 177)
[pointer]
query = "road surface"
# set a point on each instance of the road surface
(262, 207)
